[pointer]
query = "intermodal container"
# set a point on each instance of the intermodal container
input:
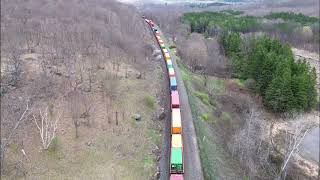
(176, 161)
(158, 37)
(176, 127)
(175, 103)
(160, 41)
(176, 177)
(173, 83)
(167, 56)
(157, 33)
(164, 50)
(171, 72)
(176, 141)
(169, 64)
(162, 45)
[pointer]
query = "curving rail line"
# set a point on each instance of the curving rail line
(176, 149)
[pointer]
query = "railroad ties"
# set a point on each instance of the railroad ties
(176, 149)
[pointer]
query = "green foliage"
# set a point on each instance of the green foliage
(54, 145)
(285, 85)
(149, 101)
(172, 46)
(290, 16)
(203, 96)
(205, 116)
(211, 22)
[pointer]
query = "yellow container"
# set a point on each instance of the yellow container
(167, 56)
(176, 127)
(176, 141)
(164, 51)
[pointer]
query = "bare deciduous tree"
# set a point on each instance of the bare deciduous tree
(47, 124)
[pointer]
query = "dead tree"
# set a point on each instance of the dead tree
(5, 141)
(47, 125)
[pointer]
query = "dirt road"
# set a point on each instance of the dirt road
(193, 170)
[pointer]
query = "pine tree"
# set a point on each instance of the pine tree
(279, 96)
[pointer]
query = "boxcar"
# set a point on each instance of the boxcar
(176, 127)
(176, 177)
(157, 33)
(160, 41)
(175, 103)
(173, 83)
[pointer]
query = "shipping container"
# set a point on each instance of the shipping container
(164, 50)
(157, 33)
(173, 83)
(162, 45)
(176, 161)
(171, 72)
(160, 41)
(167, 56)
(158, 37)
(175, 103)
(176, 177)
(176, 141)
(176, 127)
(169, 64)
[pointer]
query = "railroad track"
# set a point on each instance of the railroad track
(184, 158)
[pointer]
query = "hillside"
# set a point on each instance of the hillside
(80, 74)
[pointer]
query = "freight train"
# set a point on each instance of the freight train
(176, 149)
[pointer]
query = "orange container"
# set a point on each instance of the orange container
(176, 127)
(167, 56)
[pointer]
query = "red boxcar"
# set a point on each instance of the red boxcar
(176, 177)
(175, 103)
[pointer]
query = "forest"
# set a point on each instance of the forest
(265, 62)
(285, 85)
(296, 29)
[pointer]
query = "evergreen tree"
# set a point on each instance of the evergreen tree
(279, 96)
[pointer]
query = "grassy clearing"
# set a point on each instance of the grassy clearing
(216, 161)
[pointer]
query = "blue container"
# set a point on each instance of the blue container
(173, 83)
(169, 64)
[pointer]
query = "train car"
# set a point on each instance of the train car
(164, 50)
(160, 41)
(175, 102)
(158, 37)
(157, 33)
(176, 156)
(173, 83)
(176, 160)
(171, 72)
(176, 177)
(162, 45)
(176, 127)
(169, 64)
(167, 56)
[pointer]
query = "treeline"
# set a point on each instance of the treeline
(210, 23)
(290, 16)
(285, 85)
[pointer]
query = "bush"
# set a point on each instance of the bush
(205, 116)
(149, 101)
(54, 145)
(172, 46)
(250, 84)
(203, 97)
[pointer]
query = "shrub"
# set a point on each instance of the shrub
(205, 116)
(149, 101)
(203, 97)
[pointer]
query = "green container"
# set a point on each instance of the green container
(162, 46)
(176, 162)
